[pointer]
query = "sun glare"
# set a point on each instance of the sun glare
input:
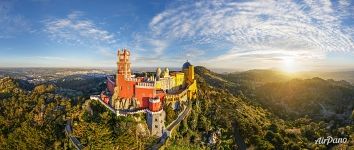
(289, 65)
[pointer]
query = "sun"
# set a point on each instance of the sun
(289, 65)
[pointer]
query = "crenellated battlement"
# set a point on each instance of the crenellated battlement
(146, 84)
(131, 79)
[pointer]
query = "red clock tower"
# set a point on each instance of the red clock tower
(124, 63)
(124, 83)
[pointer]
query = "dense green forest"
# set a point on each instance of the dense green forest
(31, 119)
(232, 111)
(297, 123)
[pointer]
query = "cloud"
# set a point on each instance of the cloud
(304, 30)
(148, 45)
(75, 30)
(158, 46)
(11, 23)
(50, 58)
(47, 58)
(193, 53)
(104, 51)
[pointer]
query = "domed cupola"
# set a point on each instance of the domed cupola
(166, 73)
(158, 73)
(186, 65)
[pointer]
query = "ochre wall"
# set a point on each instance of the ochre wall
(192, 88)
(179, 79)
(191, 73)
(158, 85)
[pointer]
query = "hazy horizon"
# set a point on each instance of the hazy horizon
(218, 70)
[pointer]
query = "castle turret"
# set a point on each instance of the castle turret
(155, 117)
(188, 70)
(154, 104)
(124, 81)
(124, 63)
(158, 73)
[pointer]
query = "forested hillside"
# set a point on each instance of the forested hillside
(318, 98)
(259, 121)
(31, 119)
(34, 117)
(230, 113)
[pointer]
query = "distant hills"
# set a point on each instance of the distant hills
(339, 75)
(273, 74)
(287, 95)
(258, 75)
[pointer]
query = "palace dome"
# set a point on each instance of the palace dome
(186, 65)
(167, 70)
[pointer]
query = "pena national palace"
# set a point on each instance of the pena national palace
(128, 94)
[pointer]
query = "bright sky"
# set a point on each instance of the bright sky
(297, 35)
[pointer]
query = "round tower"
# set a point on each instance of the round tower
(154, 104)
(155, 117)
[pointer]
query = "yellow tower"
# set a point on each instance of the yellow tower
(191, 74)
(191, 83)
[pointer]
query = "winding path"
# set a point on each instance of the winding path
(180, 117)
(73, 139)
(167, 133)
